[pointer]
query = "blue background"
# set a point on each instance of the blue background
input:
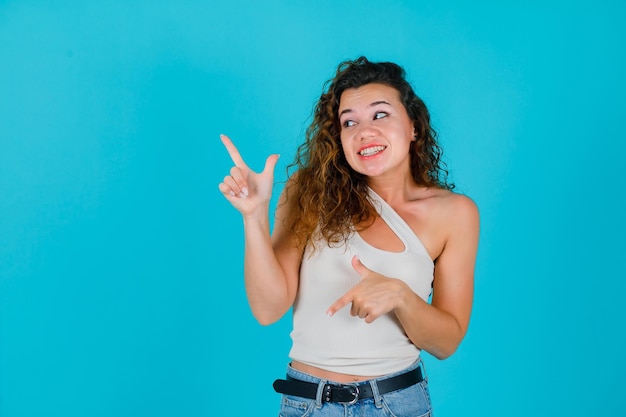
(121, 264)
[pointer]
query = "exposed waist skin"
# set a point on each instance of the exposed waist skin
(329, 375)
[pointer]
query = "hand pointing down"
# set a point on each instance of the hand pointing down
(373, 296)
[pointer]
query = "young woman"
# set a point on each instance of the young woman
(366, 230)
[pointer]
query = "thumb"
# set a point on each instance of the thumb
(358, 266)
(270, 164)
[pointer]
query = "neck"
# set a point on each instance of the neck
(393, 189)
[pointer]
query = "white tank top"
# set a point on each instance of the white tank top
(343, 343)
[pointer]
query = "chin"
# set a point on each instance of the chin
(372, 172)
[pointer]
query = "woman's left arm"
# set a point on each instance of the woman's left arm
(439, 327)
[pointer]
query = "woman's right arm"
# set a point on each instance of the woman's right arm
(271, 263)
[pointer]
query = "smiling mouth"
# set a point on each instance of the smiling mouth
(373, 150)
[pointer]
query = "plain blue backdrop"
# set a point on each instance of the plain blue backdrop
(121, 265)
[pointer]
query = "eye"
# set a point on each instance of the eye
(380, 115)
(348, 123)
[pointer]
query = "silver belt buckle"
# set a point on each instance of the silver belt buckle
(354, 389)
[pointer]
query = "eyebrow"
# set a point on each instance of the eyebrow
(375, 103)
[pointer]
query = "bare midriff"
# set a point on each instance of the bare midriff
(329, 375)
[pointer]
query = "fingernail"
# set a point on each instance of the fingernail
(242, 195)
(245, 191)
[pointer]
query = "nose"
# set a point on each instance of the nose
(366, 131)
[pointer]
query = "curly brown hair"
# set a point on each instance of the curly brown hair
(325, 194)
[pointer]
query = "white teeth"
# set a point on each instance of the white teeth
(371, 150)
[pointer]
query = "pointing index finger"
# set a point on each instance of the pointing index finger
(339, 304)
(233, 152)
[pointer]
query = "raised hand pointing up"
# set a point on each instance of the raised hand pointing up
(247, 191)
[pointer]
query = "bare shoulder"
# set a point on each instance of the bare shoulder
(438, 204)
(455, 214)
(450, 230)
(454, 205)
(462, 205)
(460, 220)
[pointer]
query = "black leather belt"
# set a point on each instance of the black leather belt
(347, 393)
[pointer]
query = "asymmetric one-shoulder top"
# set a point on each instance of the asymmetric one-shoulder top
(343, 343)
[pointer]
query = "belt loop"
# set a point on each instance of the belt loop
(377, 398)
(320, 393)
(421, 365)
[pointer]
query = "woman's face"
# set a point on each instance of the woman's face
(376, 131)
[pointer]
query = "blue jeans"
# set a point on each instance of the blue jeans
(413, 401)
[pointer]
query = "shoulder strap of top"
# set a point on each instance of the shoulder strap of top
(397, 224)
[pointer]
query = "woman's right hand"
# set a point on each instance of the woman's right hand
(247, 190)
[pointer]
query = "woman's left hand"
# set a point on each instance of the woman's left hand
(372, 297)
